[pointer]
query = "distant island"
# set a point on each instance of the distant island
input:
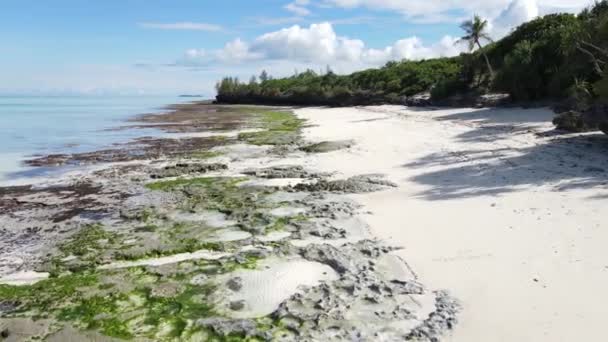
(189, 95)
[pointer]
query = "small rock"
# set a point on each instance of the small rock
(328, 146)
(237, 305)
(235, 284)
(199, 279)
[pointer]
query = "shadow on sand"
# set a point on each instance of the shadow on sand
(566, 162)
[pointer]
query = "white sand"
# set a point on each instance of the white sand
(273, 282)
(512, 224)
(23, 278)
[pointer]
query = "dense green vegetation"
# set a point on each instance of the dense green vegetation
(386, 84)
(558, 58)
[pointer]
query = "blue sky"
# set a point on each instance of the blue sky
(183, 46)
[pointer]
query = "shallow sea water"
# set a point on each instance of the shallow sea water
(40, 125)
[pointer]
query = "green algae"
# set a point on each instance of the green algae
(280, 128)
(86, 303)
(124, 306)
(47, 295)
(201, 181)
(84, 250)
(281, 223)
(98, 313)
(183, 246)
(149, 228)
(87, 240)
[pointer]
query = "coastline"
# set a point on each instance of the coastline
(246, 242)
(459, 199)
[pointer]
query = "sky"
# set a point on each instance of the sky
(184, 46)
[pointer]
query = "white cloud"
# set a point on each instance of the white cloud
(318, 45)
(182, 26)
(443, 11)
(517, 13)
(298, 7)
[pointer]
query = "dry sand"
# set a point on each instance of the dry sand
(512, 222)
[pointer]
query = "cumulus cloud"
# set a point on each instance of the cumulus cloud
(432, 11)
(182, 26)
(319, 44)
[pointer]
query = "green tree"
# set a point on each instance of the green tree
(264, 76)
(475, 32)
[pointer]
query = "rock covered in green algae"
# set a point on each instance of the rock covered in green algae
(182, 169)
(284, 171)
(353, 185)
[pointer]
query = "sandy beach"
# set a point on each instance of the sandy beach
(509, 219)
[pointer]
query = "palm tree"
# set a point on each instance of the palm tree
(476, 32)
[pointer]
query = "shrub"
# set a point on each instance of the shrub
(571, 121)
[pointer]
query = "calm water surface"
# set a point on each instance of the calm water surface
(32, 125)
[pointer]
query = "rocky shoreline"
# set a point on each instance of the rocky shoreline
(206, 237)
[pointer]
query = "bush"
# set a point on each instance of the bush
(571, 121)
(447, 88)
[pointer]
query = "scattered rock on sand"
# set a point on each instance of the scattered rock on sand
(328, 146)
(225, 327)
(329, 255)
(356, 184)
(287, 171)
(235, 284)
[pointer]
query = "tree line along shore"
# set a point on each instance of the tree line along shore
(557, 59)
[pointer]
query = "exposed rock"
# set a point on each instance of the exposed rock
(392, 308)
(442, 319)
(237, 305)
(419, 100)
(199, 279)
(288, 171)
(8, 306)
(328, 146)
(4, 332)
(235, 284)
(186, 169)
(329, 255)
(225, 327)
(356, 184)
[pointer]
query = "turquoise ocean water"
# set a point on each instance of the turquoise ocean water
(33, 125)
